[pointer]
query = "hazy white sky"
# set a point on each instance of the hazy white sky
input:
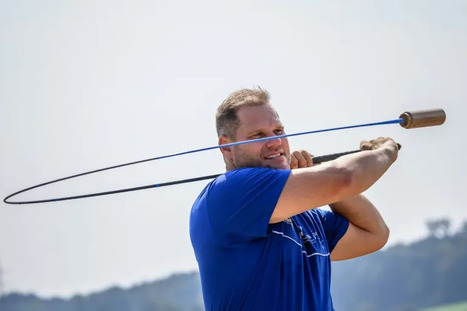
(88, 84)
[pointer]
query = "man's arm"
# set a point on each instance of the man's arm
(335, 181)
(367, 231)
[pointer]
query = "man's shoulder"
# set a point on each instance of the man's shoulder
(248, 177)
(239, 181)
(252, 171)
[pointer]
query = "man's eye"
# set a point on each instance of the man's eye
(256, 136)
(279, 132)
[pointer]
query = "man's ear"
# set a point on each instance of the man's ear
(227, 152)
(223, 140)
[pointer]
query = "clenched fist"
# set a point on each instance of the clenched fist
(377, 143)
(300, 159)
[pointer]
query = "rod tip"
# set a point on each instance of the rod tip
(422, 118)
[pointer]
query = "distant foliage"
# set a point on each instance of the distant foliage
(427, 273)
(439, 227)
(180, 292)
(449, 307)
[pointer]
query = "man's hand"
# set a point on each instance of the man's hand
(301, 159)
(377, 143)
(335, 181)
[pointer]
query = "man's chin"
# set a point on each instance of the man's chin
(274, 164)
(278, 165)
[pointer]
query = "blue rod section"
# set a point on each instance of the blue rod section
(288, 135)
(5, 200)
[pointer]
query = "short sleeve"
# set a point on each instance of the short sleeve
(239, 204)
(335, 226)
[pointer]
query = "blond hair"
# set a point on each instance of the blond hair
(226, 117)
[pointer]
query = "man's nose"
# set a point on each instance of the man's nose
(273, 141)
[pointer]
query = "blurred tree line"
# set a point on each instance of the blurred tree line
(430, 272)
(176, 293)
(426, 273)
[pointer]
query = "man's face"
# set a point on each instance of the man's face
(258, 122)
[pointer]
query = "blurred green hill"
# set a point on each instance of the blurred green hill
(462, 306)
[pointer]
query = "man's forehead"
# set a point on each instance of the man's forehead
(264, 109)
(258, 116)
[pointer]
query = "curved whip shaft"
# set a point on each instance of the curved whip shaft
(407, 120)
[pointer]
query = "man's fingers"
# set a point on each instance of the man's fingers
(301, 158)
(374, 143)
(293, 162)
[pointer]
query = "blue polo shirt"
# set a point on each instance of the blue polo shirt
(245, 263)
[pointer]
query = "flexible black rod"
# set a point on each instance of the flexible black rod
(316, 160)
(412, 119)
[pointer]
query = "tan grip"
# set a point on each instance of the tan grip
(422, 118)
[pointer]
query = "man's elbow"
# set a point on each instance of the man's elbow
(378, 239)
(349, 183)
(382, 237)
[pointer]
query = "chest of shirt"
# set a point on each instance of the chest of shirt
(300, 235)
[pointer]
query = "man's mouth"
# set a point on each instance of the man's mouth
(273, 156)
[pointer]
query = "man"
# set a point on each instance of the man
(259, 237)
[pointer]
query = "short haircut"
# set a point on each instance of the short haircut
(226, 117)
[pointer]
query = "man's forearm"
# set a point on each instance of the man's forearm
(366, 167)
(363, 214)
